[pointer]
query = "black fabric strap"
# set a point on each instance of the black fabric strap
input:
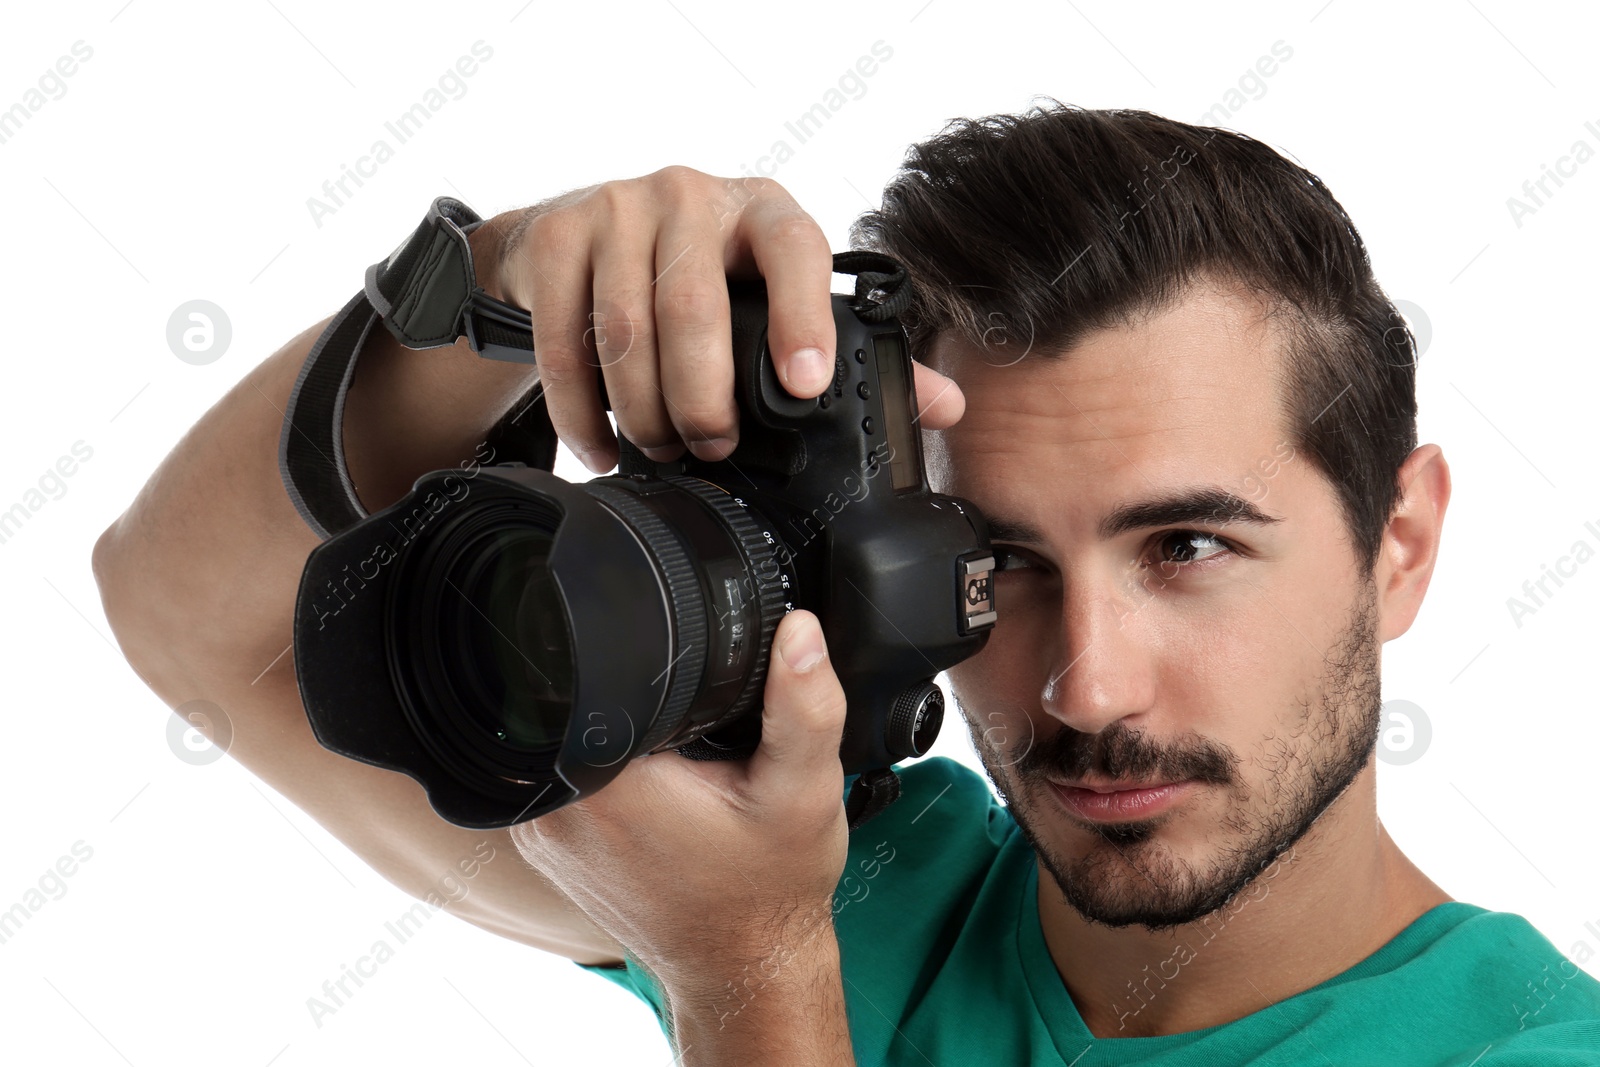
(416, 293)
(882, 291)
(311, 445)
(427, 291)
(871, 792)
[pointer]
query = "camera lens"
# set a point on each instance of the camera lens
(644, 606)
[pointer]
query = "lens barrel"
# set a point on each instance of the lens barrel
(510, 621)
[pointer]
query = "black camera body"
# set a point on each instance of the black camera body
(511, 639)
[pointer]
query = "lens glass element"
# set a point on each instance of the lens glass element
(515, 652)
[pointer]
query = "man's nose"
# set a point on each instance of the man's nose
(1104, 668)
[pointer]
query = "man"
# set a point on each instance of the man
(1190, 416)
(1157, 360)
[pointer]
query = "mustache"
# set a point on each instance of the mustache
(1121, 752)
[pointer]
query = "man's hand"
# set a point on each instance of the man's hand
(629, 279)
(713, 872)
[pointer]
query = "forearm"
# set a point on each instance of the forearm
(208, 555)
(786, 1010)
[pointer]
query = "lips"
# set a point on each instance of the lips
(1112, 787)
(1120, 801)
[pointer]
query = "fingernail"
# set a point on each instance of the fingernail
(808, 370)
(594, 461)
(803, 651)
(713, 449)
(663, 454)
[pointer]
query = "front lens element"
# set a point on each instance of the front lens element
(516, 653)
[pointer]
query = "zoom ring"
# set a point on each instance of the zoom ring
(762, 552)
(685, 600)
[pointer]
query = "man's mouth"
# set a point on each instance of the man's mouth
(1107, 786)
(1117, 801)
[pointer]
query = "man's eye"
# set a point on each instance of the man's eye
(1007, 559)
(1182, 543)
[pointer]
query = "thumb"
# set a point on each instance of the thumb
(802, 718)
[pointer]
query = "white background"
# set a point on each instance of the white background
(177, 166)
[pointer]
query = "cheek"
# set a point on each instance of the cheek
(1241, 666)
(1007, 664)
(999, 689)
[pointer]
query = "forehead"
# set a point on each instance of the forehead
(1188, 396)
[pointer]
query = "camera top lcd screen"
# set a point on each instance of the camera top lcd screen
(893, 368)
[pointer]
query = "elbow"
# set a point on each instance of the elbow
(110, 577)
(102, 562)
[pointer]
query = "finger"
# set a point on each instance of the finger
(802, 720)
(557, 274)
(623, 331)
(940, 401)
(695, 337)
(791, 251)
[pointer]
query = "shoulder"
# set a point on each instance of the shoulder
(1503, 991)
(916, 868)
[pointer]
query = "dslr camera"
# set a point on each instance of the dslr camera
(511, 639)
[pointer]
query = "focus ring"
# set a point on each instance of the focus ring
(761, 549)
(688, 608)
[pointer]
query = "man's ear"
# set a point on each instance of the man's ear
(1410, 543)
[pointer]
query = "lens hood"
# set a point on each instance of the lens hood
(350, 636)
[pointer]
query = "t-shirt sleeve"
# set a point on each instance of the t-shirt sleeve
(910, 885)
(638, 981)
(1574, 1043)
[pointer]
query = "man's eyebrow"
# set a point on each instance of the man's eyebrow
(1212, 505)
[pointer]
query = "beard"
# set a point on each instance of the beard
(1128, 875)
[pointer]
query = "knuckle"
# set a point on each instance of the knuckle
(737, 195)
(620, 328)
(768, 190)
(640, 421)
(618, 198)
(704, 419)
(692, 304)
(630, 309)
(678, 179)
(796, 228)
(557, 230)
(558, 366)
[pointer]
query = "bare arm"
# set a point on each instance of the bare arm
(198, 578)
(787, 1010)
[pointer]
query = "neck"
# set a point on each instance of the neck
(1339, 895)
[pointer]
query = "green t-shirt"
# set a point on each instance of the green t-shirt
(945, 963)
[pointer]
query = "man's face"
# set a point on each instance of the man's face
(1240, 657)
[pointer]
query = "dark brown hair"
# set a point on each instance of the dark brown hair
(1038, 228)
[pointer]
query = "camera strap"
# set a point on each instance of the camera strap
(871, 792)
(427, 295)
